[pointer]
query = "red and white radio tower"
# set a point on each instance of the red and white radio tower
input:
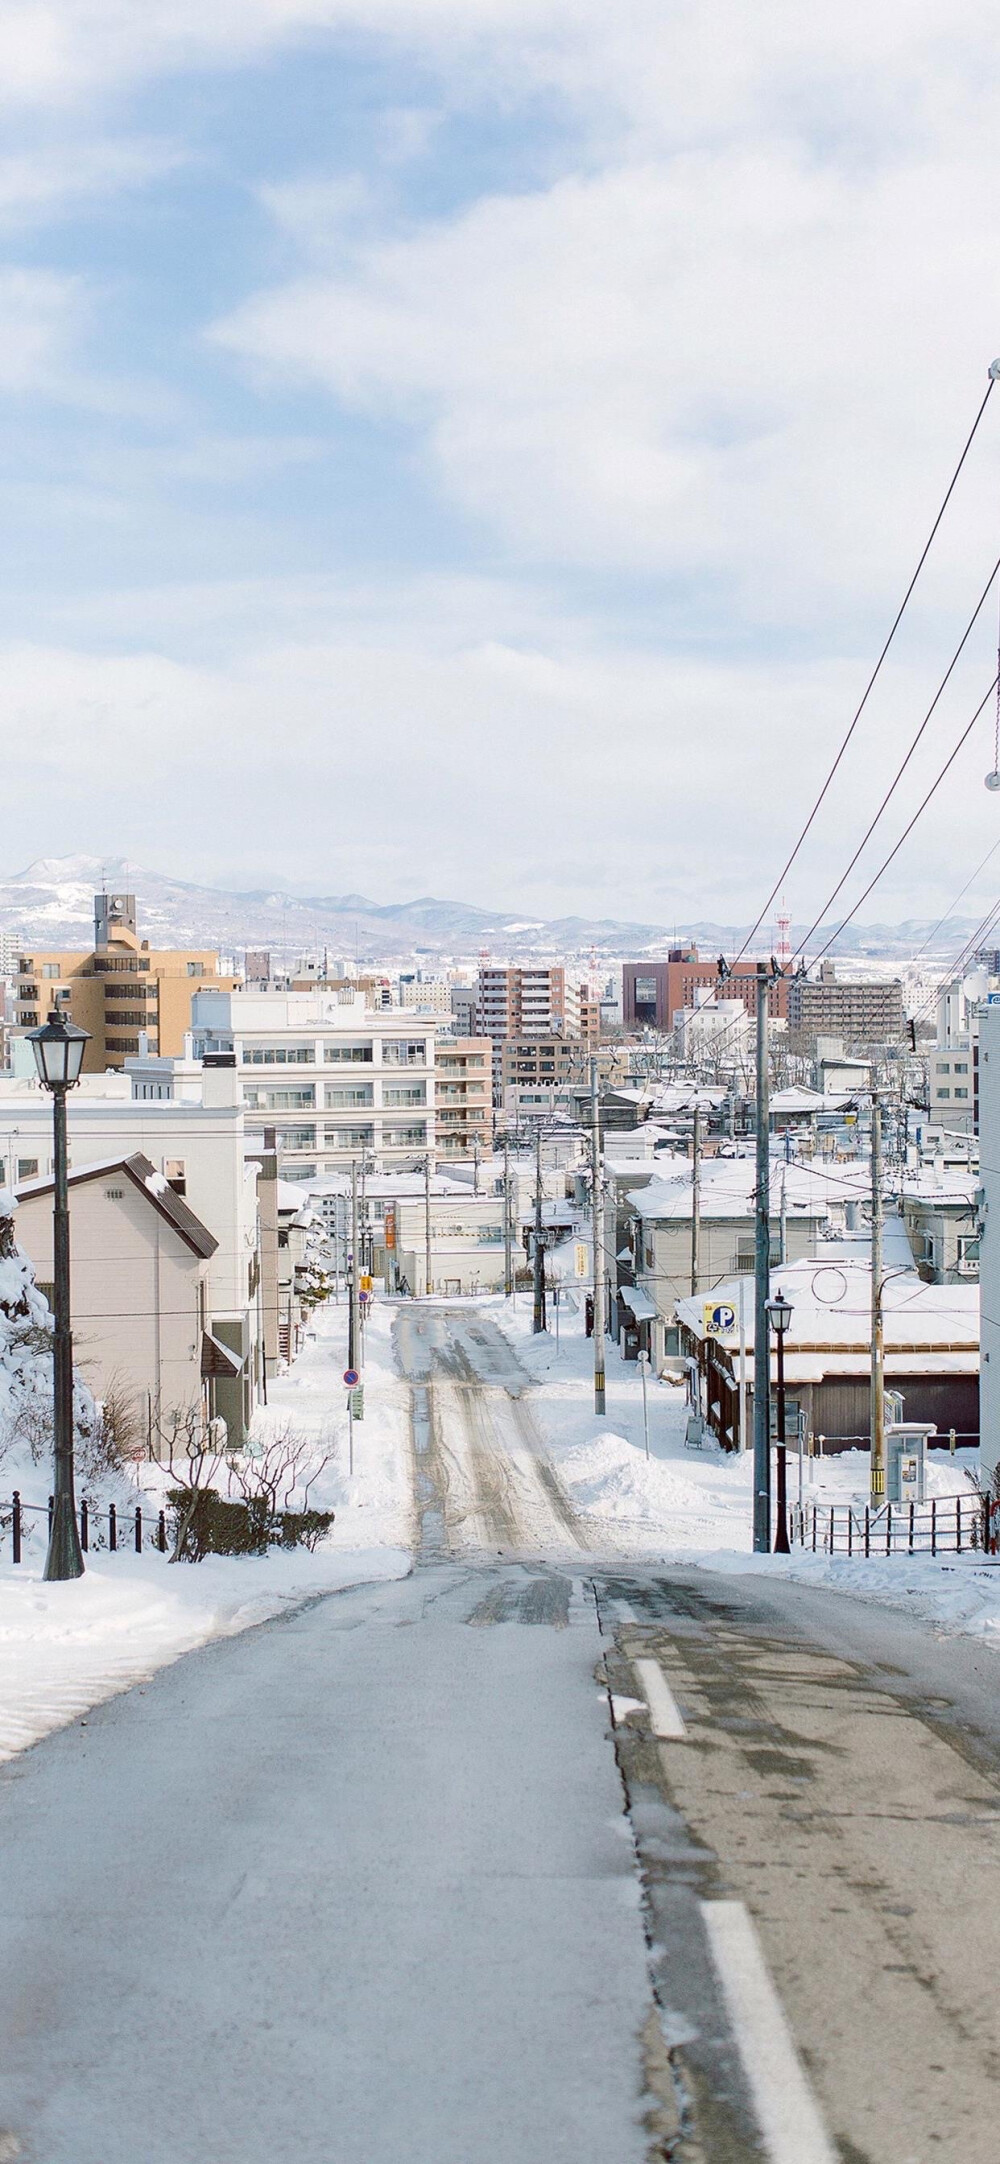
(784, 925)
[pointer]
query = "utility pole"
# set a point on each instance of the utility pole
(695, 1199)
(598, 1242)
(877, 1392)
(508, 1256)
(427, 1222)
(762, 1288)
(475, 1164)
(538, 1315)
(352, 1276)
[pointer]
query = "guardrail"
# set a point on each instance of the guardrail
(103, 1530)
(948, 1525)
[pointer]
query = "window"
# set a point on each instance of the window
(961, 1066)
(414, 1093)
(196, 969)
(297, 1138)
(349, 1138)
(278, 1055)
(404, 1138)
(341, 1054)
(27, 1168)
(943, 1093)
(50, 969)
(961, 1092)
(404, 1052)
(261, 1100)
(968, 1247)
(346, 1099)
(175, 1174)
(746, 1249)
(942, 1066)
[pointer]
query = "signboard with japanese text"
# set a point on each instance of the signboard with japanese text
(719, 1319)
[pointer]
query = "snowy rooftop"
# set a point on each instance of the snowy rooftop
(831, 1315)
(812, 1187)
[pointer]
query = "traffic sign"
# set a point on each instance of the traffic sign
(350, 1377)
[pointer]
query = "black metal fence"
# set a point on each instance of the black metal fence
(947, 1525)
(104, 1531)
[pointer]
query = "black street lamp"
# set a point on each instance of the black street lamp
(779, 1315)
(58, 1049)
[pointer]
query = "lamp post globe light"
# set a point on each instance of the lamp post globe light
(779, 1315)
(58, 1048)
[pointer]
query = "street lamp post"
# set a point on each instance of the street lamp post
(779, 1315)
(58, 1048)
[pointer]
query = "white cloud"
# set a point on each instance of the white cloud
(39, 317)
(35, 183)
(536, 770)
(728, 362)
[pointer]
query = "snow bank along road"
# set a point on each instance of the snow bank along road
(529, 1859)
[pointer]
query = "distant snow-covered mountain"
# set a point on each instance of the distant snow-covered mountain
(51, 903)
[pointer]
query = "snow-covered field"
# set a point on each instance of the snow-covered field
(695, 1507)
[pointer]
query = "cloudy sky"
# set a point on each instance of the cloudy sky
(476, 447)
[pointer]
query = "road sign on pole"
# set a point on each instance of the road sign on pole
(351, 1377)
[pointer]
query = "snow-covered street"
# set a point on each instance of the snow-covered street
(415, 1858)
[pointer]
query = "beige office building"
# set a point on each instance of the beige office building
(119, 991)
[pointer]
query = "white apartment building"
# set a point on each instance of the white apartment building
(335, 1078)
(713, 1029)
(199, 1148)
(989, 1245)
(953, 1064)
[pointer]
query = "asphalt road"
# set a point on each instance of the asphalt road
(525, 1858)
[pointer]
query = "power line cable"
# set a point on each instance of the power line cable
(960, 896)
(908, 829)
(901, 769)
(869, 687)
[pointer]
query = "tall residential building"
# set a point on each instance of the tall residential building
(463, 1096)
(516, 1004)
(653, 993)
(119, 990)
(858, 1012)
(519, 1002)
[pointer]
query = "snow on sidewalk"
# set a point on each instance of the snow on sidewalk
(64, 1648)
(694, 1507)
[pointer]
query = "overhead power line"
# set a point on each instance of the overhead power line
(901, 769)
(908, 829)
(869, 687)
(959, 897)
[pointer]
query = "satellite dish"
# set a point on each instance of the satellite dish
(993, 780)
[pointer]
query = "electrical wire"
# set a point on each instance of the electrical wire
(901, 769)
(908, 829)
(869, 687)
(960, 896)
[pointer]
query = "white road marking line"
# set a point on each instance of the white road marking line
(786, 2108)
(663, 1710)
